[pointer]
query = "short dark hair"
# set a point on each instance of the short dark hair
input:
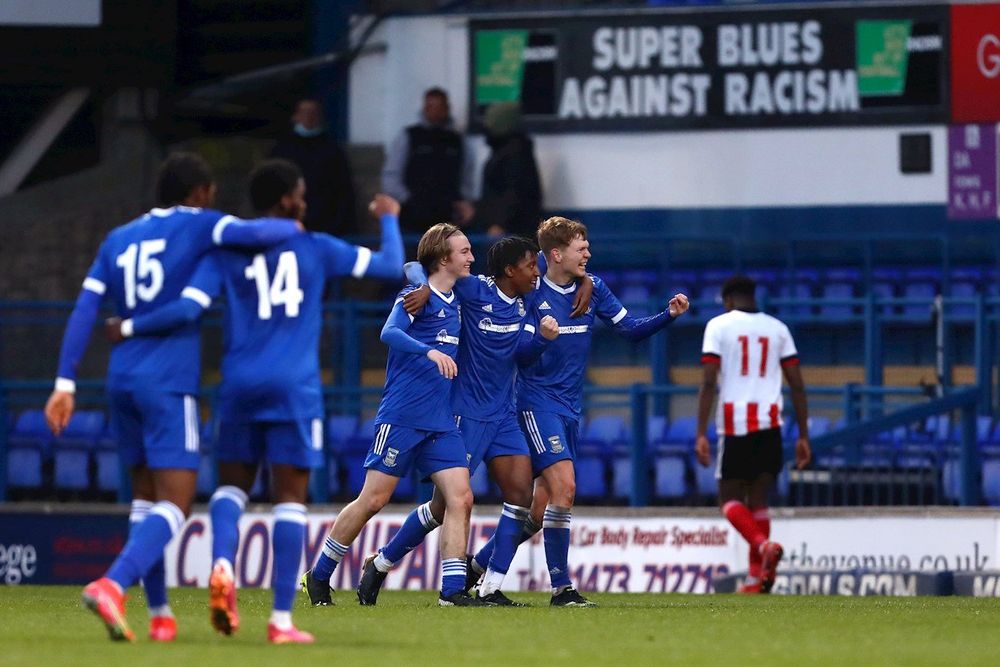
(271, 181)
(179, 175)
(437, 91)
(506, 252)
(739, 286)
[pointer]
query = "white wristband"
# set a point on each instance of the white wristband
(128, 328)
(65, 384)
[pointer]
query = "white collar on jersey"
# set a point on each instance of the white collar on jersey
(162, 212)
(446, 299)
(563, 290)
(503, 296)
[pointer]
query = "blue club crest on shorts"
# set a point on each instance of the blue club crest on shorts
(555, 446)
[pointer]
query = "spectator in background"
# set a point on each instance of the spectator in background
(429, 169)
(511, 201)
(330, 197)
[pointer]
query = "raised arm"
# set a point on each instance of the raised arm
(640, 328)
(387, 262)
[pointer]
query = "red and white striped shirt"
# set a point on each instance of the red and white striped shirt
(751, 349)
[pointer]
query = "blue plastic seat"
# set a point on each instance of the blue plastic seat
(339, 429)
(32, 432)
(603, 434)
(590, 482)
(837, 311)
(669, 473)
(965, 290)
(682, 430)
(638, 299)
(991, 481)
(71, 470)
(656, 429)
(797, 291)
(108, 465)
(704, 478)
(24, 467)
(919, 311)
(883, 291)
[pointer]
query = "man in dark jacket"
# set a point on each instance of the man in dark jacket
(511, 200)
(429, 169)
(330, 194)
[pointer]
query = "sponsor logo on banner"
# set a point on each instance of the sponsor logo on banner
(677, 70)
(972, 172)
(975, 63)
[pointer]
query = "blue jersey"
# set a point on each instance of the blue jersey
(416, 395)
(491, 323)
(141, 266)
(554, 383)
(274, 316)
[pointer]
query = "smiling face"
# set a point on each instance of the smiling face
(459, 261)
(573, 258)
(524, 274)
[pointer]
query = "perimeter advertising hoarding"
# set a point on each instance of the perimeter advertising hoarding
(612, 553)
(975, 63)
(715, 69)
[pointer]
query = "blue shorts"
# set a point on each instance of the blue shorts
(551, 437)
(398, 449)
(158, 429)
(296, 443)
(486, 440)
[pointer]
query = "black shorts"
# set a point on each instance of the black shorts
(747, 457)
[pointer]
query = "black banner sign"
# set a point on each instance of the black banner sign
(715, 69)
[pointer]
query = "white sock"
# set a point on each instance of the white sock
(226, 565)
(381, 563)
(492, 582)
(281, 619)
(164, 612)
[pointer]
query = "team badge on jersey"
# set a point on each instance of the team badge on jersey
(520, 308)
(390, 457)
(555, 445)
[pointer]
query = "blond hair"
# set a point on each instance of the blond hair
(559, 232)
(434, 246)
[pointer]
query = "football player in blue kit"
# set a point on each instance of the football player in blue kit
(414, 424)
(550, 387)
(270, 401)
(482, 399)
(152, 382)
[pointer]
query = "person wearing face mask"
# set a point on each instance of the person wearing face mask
(429, 169)
(330, 196)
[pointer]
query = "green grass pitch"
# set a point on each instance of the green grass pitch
(46, 625)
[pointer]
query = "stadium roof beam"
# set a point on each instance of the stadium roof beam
(37, 140)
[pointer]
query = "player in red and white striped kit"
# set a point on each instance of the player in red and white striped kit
(747, 352)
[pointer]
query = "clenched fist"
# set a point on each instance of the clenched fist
(549, 327)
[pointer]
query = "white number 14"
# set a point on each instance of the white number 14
(284, 291)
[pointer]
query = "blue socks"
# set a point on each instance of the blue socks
(225, 508)
(482, 559)
(155, 580)
(333, 552)
(287, 541)
(452, 576)
(555, 527)
(510, 529)
(146, 544)
(415, 528)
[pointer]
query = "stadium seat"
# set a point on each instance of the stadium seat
(919, 311)
(656, 430)
(991, 481)
(339, 429)
(884, 291)
(682, 430)
(332, 476)
(669, 473)
(108, 465)
(818, 425)
(71, 471)
(837, 311)
(704, 478)
(638, 300)
(24, 466)
(590, 482)
(964, 290)
(797, 291)
(31, 431)
(602, 435)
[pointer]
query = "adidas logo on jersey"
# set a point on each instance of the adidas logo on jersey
(488, 308)
(441, 313)
(545, 306)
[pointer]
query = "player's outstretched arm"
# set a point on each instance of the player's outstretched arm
(231, 231)
(387, 262)
(636, 329)
(61, 404)
(803, 450)
(706, 396)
